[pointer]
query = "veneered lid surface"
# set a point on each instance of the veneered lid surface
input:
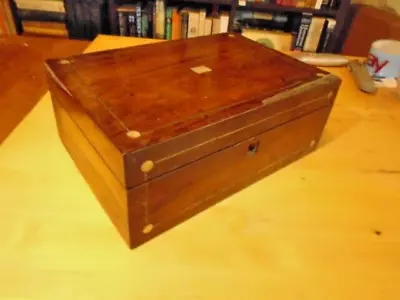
(160, 91)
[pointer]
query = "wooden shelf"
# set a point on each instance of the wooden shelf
(280, 8)
(218, 2)
(340, 14)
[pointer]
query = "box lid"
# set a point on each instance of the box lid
(170, 93)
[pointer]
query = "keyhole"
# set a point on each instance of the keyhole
(253, 148)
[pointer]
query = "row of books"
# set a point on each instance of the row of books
(288, 31)
(313, 33)
(7, 25)
(154, 20)
(317, 4)
(43, 17)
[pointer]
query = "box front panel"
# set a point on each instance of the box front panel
(169, 199)
(238, 124)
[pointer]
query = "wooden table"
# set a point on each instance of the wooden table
(22, 75)
(326, 227)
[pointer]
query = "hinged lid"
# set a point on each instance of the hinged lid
(172, 93)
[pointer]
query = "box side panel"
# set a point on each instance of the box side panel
(170, 199)
(104, 147)
(108, 190)
(267, 114)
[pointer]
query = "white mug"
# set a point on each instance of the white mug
(384, 59)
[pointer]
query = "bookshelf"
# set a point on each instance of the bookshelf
(278, 8)
(340, 14)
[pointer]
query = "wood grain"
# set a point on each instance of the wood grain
(23, 78)
(307, 232)
(196, 159)
(172, 198)
(181, 115)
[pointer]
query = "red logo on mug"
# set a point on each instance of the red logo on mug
(373, 62)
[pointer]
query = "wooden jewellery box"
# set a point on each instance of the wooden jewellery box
(161, 131)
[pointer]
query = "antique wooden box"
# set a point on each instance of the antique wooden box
(163, 131)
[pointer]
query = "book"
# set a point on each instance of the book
(193, 26)
(327, 35)
(224, 17)
(152, 19)
(176, 24)
(310, 3)
(127, 20)
(293, 27)
(54, 6)
(123, 23)
(132, 24)
(168, 23)
(318, 4)
(301, 3)
(45, 28)
(37, 15)
(145, 21)
(333, 4)
(303, 31)
(138, 19)
(160, 19)
(208, 26)
(216, 21)
(325, 4)
(184, 23)
(202, 20)
(314, 34)
(262, 15)
(280, 41)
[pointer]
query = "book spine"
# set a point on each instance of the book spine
(176, 25)
(132, 24)
(185, 24)
(36, 15)
(300, 3)
(333, 4)
(208, 26)
(323, 36)
(151, 24)
(328, 35)
(193, 28)
(160, 19)
(202, 21)
(314, 34)
(224, 22)
(325, 4)
(138, 19)
(145, 21)
(216, 24)
(96, 20)
(122, 19)
(168, 23)
(318, 4)
(303, 31)
(45, 31)
(54, 6)
(295, 26)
